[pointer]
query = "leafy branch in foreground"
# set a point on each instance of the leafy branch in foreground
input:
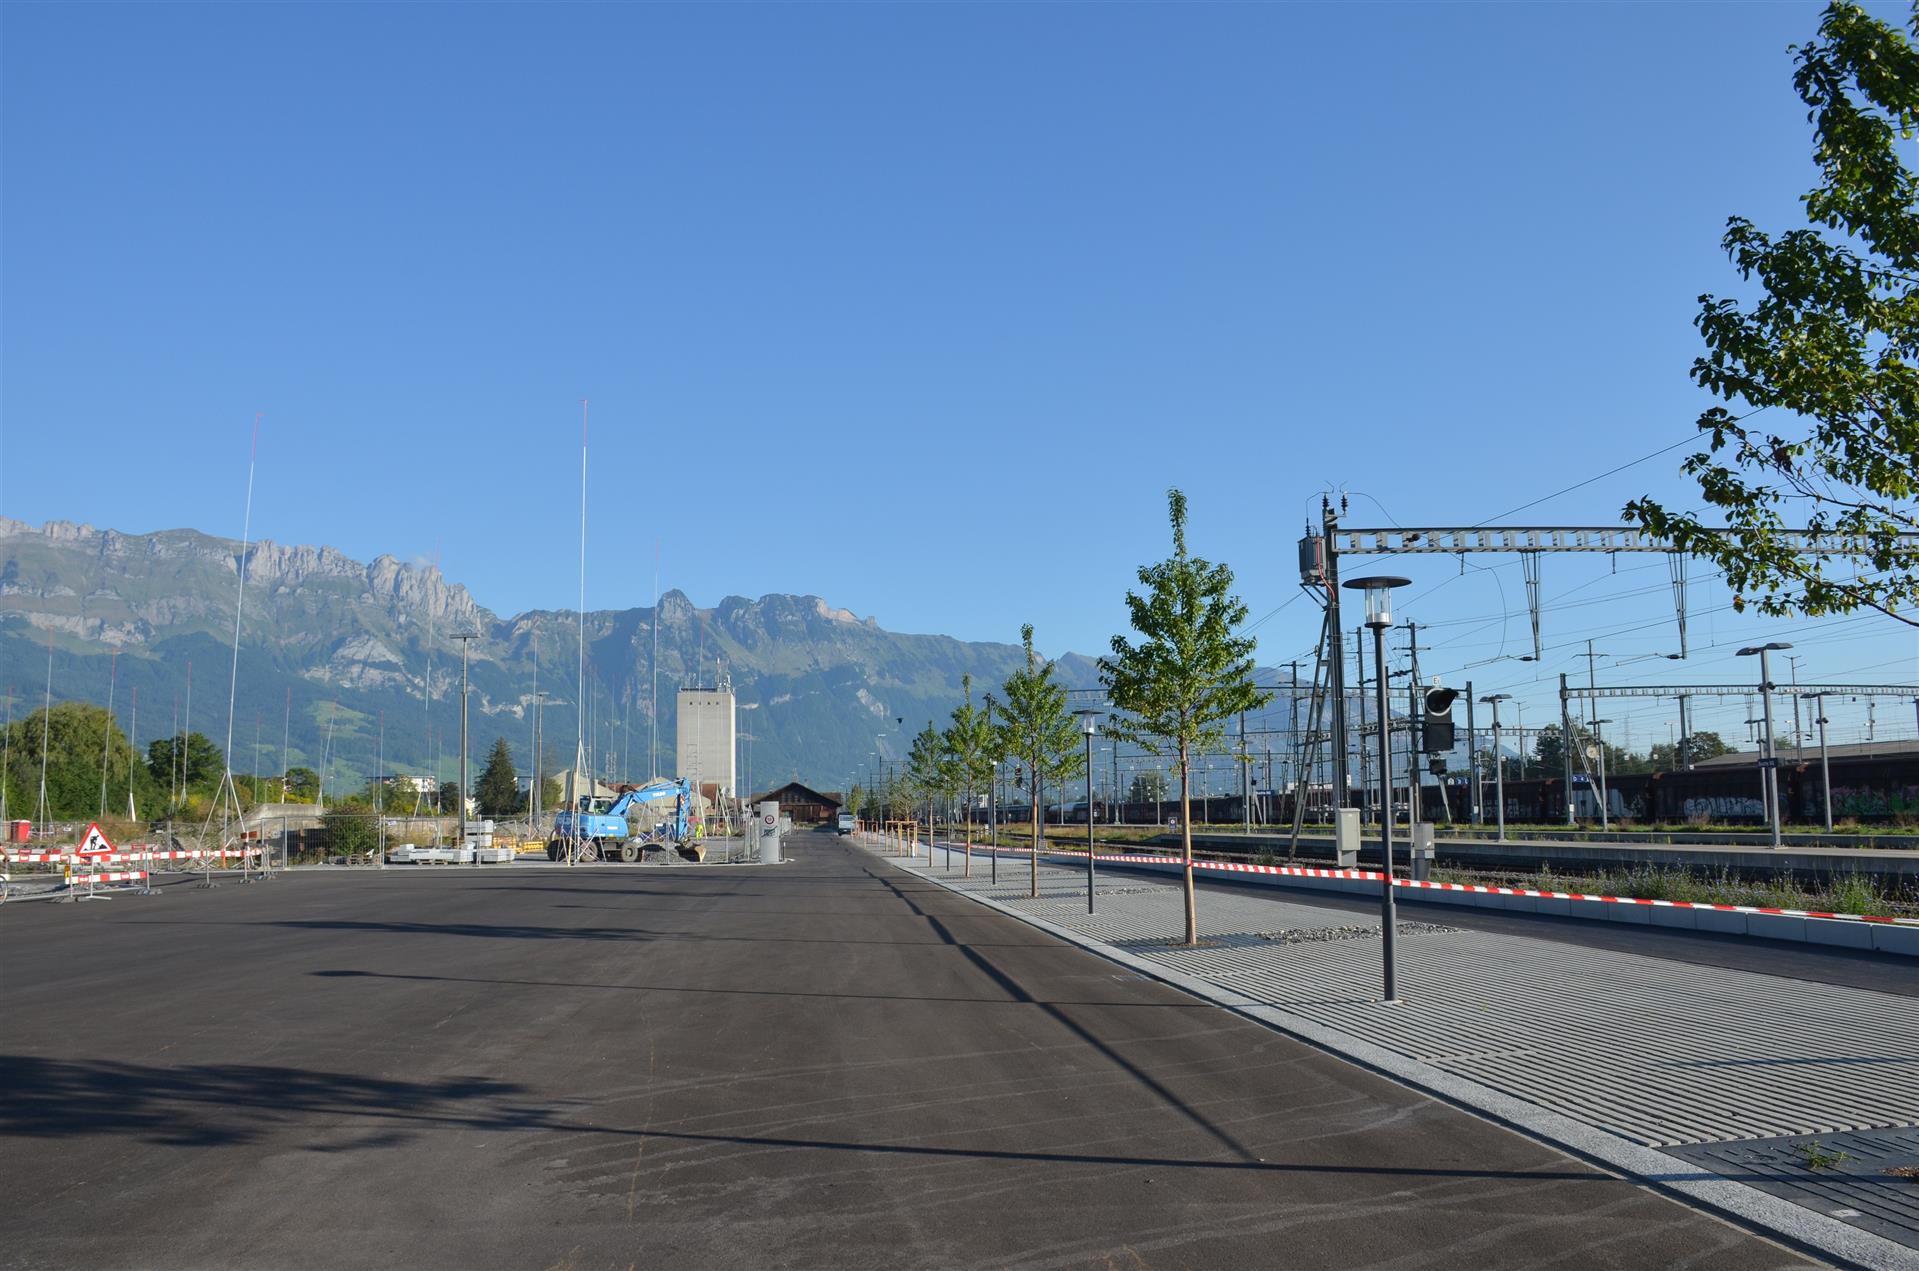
(1833, 344)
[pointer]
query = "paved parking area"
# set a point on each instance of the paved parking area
(825, 1064)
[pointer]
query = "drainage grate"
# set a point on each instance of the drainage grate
(1859, 1178)
(1654, 1050)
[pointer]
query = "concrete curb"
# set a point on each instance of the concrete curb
(1748, 1207)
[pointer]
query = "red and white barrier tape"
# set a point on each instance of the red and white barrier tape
(109, 858)
(88, 880)
(1300, 871)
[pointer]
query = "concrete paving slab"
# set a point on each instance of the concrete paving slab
(1652, 1051)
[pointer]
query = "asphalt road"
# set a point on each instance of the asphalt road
(823, 1064)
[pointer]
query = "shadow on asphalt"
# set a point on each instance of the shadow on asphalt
(677, 988)
(1018, 993)
(213, 1105)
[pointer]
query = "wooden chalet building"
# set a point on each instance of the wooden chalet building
(805, 805)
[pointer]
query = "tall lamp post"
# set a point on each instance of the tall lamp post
(1379, 616)
(992, 796)
(1770, 760)
(459, 800)
(1089, 725)
(1499, 760)
(1825, 764)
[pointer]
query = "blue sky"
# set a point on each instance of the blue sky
(917, 307)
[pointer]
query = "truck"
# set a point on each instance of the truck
(846, 823)
(596, 826)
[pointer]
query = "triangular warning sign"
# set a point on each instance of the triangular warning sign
(94, 840)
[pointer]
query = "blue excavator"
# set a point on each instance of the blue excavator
(597, 827)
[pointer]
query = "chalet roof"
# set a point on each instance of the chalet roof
(794, 792)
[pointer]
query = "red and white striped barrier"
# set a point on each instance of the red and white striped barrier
(109, 858)
(1300, 871)
(94, 880)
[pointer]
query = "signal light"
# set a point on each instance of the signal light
(1438, 723)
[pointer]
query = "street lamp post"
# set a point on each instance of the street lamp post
(1499, 760)
(1770, 760)
(459, 800)
(1599, 759)
(1379, 616)
(1089, 725)
(992, 798)
(1825, 764)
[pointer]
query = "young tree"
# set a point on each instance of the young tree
(969, 751)
(929, 770)
(351, 833)
(1833, 343)
(1188, 673)
(303, 785)
(1035, 728)
(498, 789)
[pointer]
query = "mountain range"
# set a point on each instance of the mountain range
(355, 665)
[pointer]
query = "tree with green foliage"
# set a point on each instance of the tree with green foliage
(969, 748)
(928, 771)
(498, 789)
(351, 833)
(76, 735)
(1035, 728)
(1831, 347)
(1147, 787)
(191, 759)
(302, 785)
(1668, 757)
(1187, 674)
(1549, 754)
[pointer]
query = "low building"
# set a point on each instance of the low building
(805, 805)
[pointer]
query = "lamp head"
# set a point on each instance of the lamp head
(1379, 597)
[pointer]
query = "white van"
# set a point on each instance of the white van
(846, 823)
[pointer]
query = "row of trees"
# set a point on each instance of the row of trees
(1173, 683)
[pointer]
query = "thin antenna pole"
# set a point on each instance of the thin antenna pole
(379, 794)
(326, 756)
(46, 720)
(653, 699)
(6, 756)
(106, 733)
(239, 599)
(186, 731)
(579, 745)
(286, 735)
(533, 737)
(133, 744)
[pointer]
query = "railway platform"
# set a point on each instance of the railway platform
(1790, 1101)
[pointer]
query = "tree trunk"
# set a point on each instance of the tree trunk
(966, 870)
(1186, 847)
(1038, 822)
